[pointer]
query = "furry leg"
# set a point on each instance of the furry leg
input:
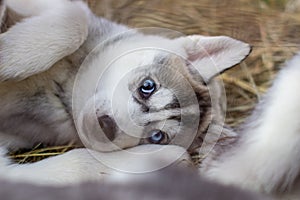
(267, 156)
(86, 165)
(35, 44)
(29, 8)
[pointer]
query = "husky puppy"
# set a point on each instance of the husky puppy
(157, 94)
(65, 73)
(63, 68)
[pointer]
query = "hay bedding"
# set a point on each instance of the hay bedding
(272, 27)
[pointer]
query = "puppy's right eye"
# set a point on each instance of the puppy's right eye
(158, 137)
(147, 88)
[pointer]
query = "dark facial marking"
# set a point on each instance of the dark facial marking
(144, 107)
(173, 105)
(61, 95)
(108, 126)
(161, 59)
(176, 118)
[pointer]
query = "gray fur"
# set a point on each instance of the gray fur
(173, 184)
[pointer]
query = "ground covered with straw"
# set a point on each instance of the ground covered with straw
(272, 27)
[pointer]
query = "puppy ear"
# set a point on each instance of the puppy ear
(213, 55)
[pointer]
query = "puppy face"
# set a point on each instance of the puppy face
(150, 89)
(162, 103)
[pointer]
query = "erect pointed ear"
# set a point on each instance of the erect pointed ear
(213, 55)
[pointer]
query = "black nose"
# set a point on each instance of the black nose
(108, 126)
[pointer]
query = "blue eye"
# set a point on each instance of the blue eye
(158, 137)
(147, 88)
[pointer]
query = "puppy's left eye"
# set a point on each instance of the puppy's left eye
(158, 137)
(147, 88)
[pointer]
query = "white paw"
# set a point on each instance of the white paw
(37, 43)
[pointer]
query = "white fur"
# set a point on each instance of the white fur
(31, 8)
(64, 32)
(85, 165)
(268, 156)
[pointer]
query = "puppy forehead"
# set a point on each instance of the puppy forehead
(146, 64)
(152, 58)
(136, 63)
(144, 50)
(156, 61)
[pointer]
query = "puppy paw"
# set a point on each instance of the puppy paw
(37, 43)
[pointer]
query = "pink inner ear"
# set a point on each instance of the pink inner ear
(194, 57)
(203, 52)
